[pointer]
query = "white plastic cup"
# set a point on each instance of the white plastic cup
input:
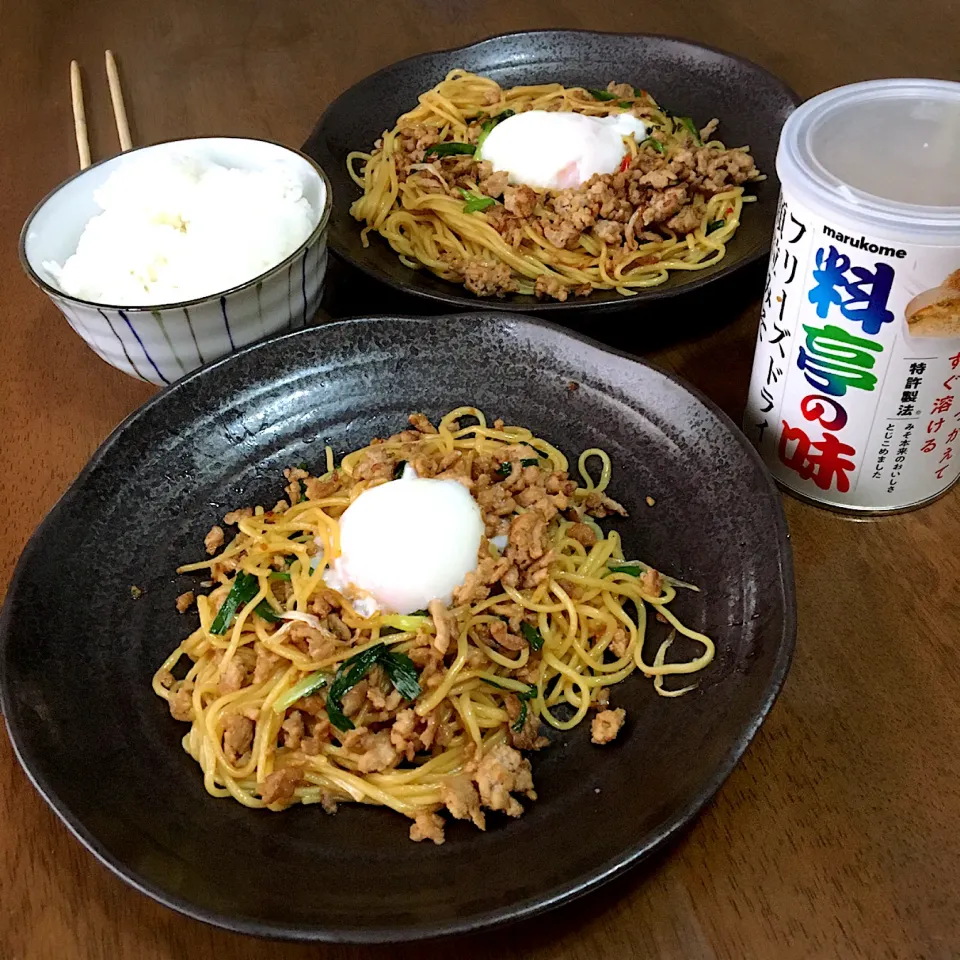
(855, 395)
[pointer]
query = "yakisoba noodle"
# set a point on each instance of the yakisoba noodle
(254, 678)
(428, 225)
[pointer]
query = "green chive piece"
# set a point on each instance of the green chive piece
(450, 149)
(245, 587)
(533, 636)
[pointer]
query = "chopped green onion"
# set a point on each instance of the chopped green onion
(540, 453)
(522, 695)
(689, 124)
(245, 587)
(279, 575)
(504, 470)
(714, 225)
(398, 469)
(350, 673)
(397, 666)
(533, 635)
(475, 202)
(517, 724)
(450, 149)
(632, 569)
(402, 673)
(263, 609)
(601, 94)
(418, 613)
(653, 142)
(530, 462)
(305, 688)
(488, 125)
(626, 104)
(302, 466)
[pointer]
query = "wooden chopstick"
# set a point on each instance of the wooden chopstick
(79, 114)
(116, 96)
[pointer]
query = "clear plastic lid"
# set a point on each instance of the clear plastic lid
(885, 153)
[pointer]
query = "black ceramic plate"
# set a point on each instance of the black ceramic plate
(78, 651)
(751, 104)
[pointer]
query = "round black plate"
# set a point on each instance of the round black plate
(78, 651)
(751, 104)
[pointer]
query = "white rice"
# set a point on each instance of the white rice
(180, 228)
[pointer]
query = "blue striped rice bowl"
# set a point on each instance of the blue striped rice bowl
(161, 343)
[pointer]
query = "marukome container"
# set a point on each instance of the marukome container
(855, 395)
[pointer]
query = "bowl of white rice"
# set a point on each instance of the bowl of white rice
(169, 256)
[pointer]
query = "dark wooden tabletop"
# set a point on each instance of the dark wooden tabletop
(839, 833)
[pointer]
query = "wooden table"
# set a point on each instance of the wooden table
(839, 834)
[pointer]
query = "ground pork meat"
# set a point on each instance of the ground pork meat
(550, 286)
(181, 705)
(622, 91)
(686, 221)
(378, 753)
(213, 541)
(402, 735)
(377, 463)
(442, 623)
(319, 489)
(237, 737)
(664, 204)
(576, 206)
(526, 542)
(354, 699)
(520, 201)
(620, 642)
(233, 677)
(477, 583)
(528, 736)
(235, 516)
(324, 603)
(606, 725)
(503, 638)
(659, 179)
(501, 772)
(506, 224)
(561, 233)
(707, 131)
(608, 231)
(427, 826)
(277, 789)
(421, 423)
(319, 644)
(600, 505)
(486, 279)
(294, 475)
(460, 797)
(291, 730)
(185, 601)
(265, 665)
(582, 534)
(495, 184)
(652, 582)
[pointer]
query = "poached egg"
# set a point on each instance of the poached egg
(405, 543)
(552, 150)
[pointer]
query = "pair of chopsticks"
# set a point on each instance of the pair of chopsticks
(80, 117)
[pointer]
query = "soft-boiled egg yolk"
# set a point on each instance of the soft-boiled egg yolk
(407, 542)
(551, 151)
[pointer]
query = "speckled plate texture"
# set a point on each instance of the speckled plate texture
(690, 79)
(78, 651)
